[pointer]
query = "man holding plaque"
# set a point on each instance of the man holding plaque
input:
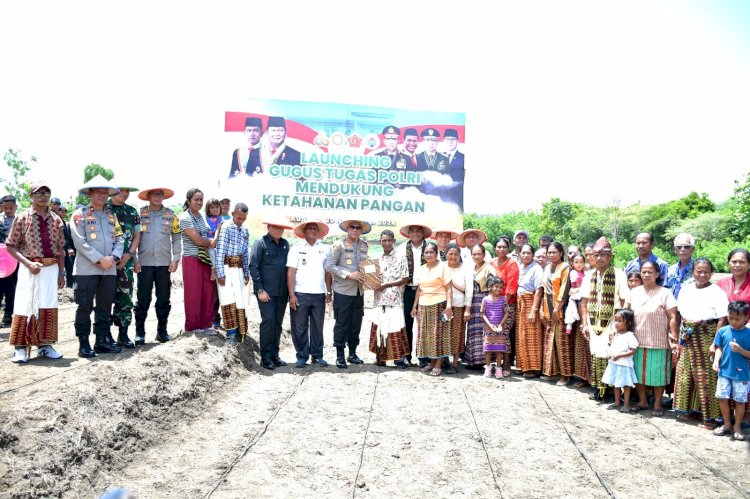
(388, 339)
(309, 291)
(348, 295)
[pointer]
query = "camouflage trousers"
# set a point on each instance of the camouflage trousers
(122, 311)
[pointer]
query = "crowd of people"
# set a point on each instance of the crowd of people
(556, 313)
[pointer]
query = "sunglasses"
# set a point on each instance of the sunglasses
(355, 227)
(682, 247)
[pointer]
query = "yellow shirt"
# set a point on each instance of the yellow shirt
(432, 282)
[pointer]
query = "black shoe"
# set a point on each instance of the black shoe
(423, 363)
(321, 362)
(278, 362)
(401, 364)
(354, 359)
(267, 364)
(111, 340)
(106, 347)
(595, 396)
(450, 369)
(140, 339)
(341, 363)
(163, 337)
(123, 340)
(84, 350)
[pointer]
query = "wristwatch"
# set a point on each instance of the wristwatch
(116, 259)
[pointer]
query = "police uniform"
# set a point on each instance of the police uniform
(399, 160)
(122, 313)
(96, 234)
(348, 294)
(435, 162)
(160, 245)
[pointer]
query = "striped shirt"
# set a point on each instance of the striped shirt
(190, 221)
(233, 241)
(651, 321)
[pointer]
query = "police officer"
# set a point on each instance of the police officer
(430, 159)
(348, 295)
(127, 216)
(158, 256)
(390, 137)
(98, 240)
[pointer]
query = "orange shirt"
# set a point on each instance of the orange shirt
(432, 283)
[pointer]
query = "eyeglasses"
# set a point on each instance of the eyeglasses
(355, 227)
(683, 247)
(40, 194)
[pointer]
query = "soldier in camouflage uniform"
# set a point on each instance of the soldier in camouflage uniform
(122, 312)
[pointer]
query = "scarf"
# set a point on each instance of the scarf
(410, 258)
(602, 310)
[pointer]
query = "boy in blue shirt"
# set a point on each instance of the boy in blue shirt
(732, 344)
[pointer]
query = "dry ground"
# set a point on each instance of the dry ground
(192, 418)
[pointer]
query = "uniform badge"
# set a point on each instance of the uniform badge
(93, 235)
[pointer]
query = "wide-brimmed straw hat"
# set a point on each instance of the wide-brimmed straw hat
(404, 231)
(143, 195)
(278, 222)
(453, 234)
(98, 182)
(299, 231)
(461, 239)
(366, 227)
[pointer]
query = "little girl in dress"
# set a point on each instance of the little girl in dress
(620, 372)
(576, 279)
(496, 337)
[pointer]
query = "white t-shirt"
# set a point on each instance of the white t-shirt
(416, 252)
(622, 343)
(308, 260)
(702, 304)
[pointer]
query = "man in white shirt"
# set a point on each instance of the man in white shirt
(411, 251)
(309, 291)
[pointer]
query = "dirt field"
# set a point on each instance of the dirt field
(192, 418)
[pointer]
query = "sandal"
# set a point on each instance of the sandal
(738, 436)
(613, 407)
(581, 384)
(687, 417)
(426, 369)
(625, 409)
(637, 408)
(721, 431)
(710, 425)
(506, 373)
(657, 413)
(436, 372)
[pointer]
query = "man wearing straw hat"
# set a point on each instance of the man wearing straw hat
(268, 271)
(411, 251)
(130, 222)
(158, 255)
(98, 240)
(348, 295)
(309, 291)
(36, 240)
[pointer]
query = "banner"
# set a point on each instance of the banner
(332, 162)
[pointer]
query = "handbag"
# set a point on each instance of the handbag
(204, 257)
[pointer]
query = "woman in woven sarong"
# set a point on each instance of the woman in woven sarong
(462, 280)
(655, 325)
(558, 348)
(433, 310)
(703, 308)
(474, 353)
(529, 333)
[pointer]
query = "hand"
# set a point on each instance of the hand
(221, 280)
(356, 276)
(734, 346)
(328, 298)
(467, 314)
(173, 268)
(35, 267)
(106, 262)
(71, 252)
(448, 312)
(293, 302)
(381, 287)
(716, 367)
(125, 258)
(585, 331)
(263, 296)
(413, 312)
(137, 267)
(60, 281)
(532, 316)
(247, 280)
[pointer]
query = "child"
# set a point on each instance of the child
(496, 337)
(620, 372)
(732, 345)
(214, 219)
(576, 279)
(634, 280)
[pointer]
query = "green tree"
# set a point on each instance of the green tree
(557, 216)
(741, 224)
(90, 171)
(18, 185)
